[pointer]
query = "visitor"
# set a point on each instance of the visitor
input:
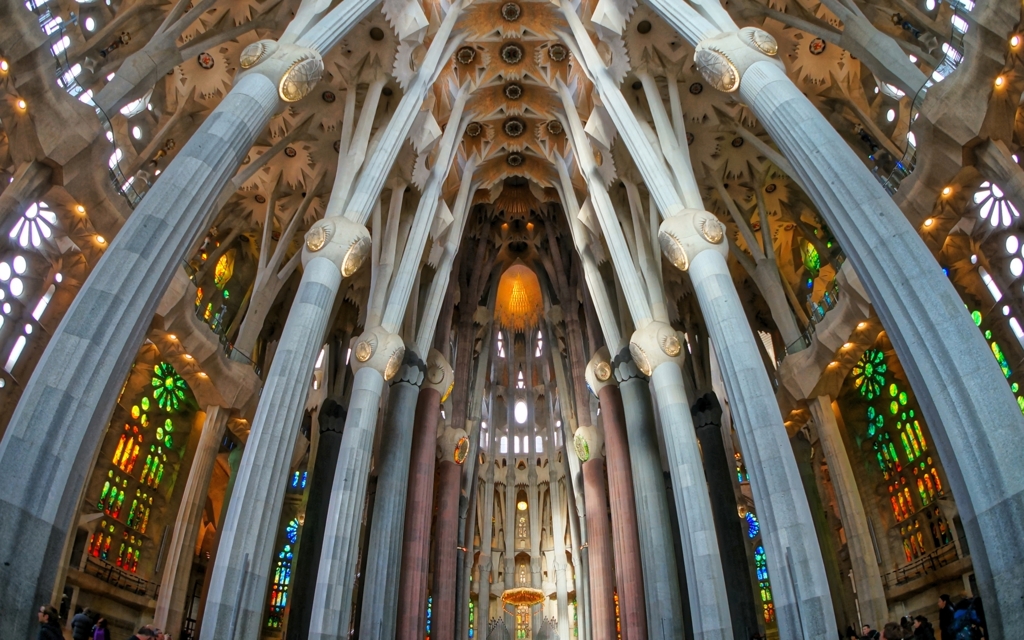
(867, 633)
(49, 624)
(100, 631)
(892, 631)
(946, 617)
(144, 633)
(923, 629)
(82, 624)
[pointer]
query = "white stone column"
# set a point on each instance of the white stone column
(170, 605)
(866, 575)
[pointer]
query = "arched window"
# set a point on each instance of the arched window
(526, 444)
(516, 444)
(35, 226)
(520, 381)
(540, 345)
(501, 345)
(503, 444)
(520, 412)
(993, 205)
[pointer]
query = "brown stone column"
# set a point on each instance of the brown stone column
(632, 610)
(449, 488)
(412, 595)
(599, 546)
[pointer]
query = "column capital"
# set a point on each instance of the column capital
(684, 236)
(723, 58)
(379, 350)
(454, 445)
(600, 372)
(294, 70)
(589, 443)
(707, 411)
(412, 370)
(343, 242)
(439, 374)
(625, 368)
(654, 345)
(332, 416)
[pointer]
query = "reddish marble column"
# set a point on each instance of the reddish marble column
(412, 595)
(599, 546)
(446, 538)
(632, 608)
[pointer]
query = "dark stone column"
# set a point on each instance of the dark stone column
(599, 547)
(633, 612)
(412, 595)
(449, 491)
(707, 419)
(311, 537)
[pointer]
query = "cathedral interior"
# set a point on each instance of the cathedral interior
(510, 319)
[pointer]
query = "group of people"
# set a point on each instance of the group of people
(963, 621)
(87, 625)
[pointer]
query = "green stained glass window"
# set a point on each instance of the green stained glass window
(869, 374)
(168, 387)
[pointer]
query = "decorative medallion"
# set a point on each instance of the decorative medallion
(394, 363)
(300, 78)
(261, 198)
(557, 52)
(737, 142)
(465, 55)
(554, 127)
(512, 53)
(511, 11)
(581, 446)
(356, 254)
(689, 138)
(252, 54)
(603, 371)
(317, 237)
(816, 47)
(770, 188)
(696, 88)
(328, 96)
(670, 345)
(461, 450)
(718, 70)
(673, 249)
(364, 351)
(711, 230)
(205, 60)
(640, 358)
(376, 34)
(290, 152)
(513, 91)
(644, 26)
(473, 129)
(762, 41)
(514, 127)
(514, 159)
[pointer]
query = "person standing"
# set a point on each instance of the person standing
(946, 609)
(82, 624)
(49, 624)
(867, 633)
(923, 629)
(100, 631)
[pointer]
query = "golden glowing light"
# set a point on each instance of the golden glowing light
(1014, 41)
(4, 66)
(861, 325)
(101, 240)
(847, 345)
(928, 222)
(172, 337)
(519, 304)
(1000, 81)
(947, 190)
(521, 505)
(80, 209)
(22, 104)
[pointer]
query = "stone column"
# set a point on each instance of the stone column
(238, 586)
(446, 533)
(377, 357)
(718, 470)
(380, 581)
(558, 535)
(483, 607)
(589, 444)
(657, 550)
(97, 340)
(311, 537)
(866, 576)
(630, 582)
(170, 605)
(419, 508)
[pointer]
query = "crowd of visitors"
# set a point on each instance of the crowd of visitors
(87, 625)
(963, 621)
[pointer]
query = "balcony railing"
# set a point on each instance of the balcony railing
(120, 578)
(940, 557)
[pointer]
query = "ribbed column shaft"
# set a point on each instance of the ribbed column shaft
(258, 493)
(170, 605)
(657, 549)
(632, 611)
(709, 603)
(870, 592)
(803, 604)
(732, 543)
(332, 604)
(446, 532)
(383, 555)
(599, 546)
(558, 529)
(70, 396)
(419, 507)
(483, 607)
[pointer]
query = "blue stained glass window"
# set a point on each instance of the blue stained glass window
(753, 526)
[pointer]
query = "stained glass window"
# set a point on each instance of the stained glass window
(869, 374)
(298, 480)
(168, 387)
(281, 579)
(753, 526)
(430, 615)
(741, 469)
(35, 226)
(472, 619)
(764, 584)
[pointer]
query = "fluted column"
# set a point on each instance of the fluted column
(589, 445)
(483, 607)
(380, 583)
(170, 605)
(718, 469)
(657, 550)
(418, 510)
(630, 581)
(446, 531)
(867, 578)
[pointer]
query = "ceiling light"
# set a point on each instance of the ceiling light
(928, 222)
(1015, 41)
(847, 345)
(101, 240)
(521, 505)
(4, 66)
(21, 104)
(947, 190)
(80, 209)
(1000, 81)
